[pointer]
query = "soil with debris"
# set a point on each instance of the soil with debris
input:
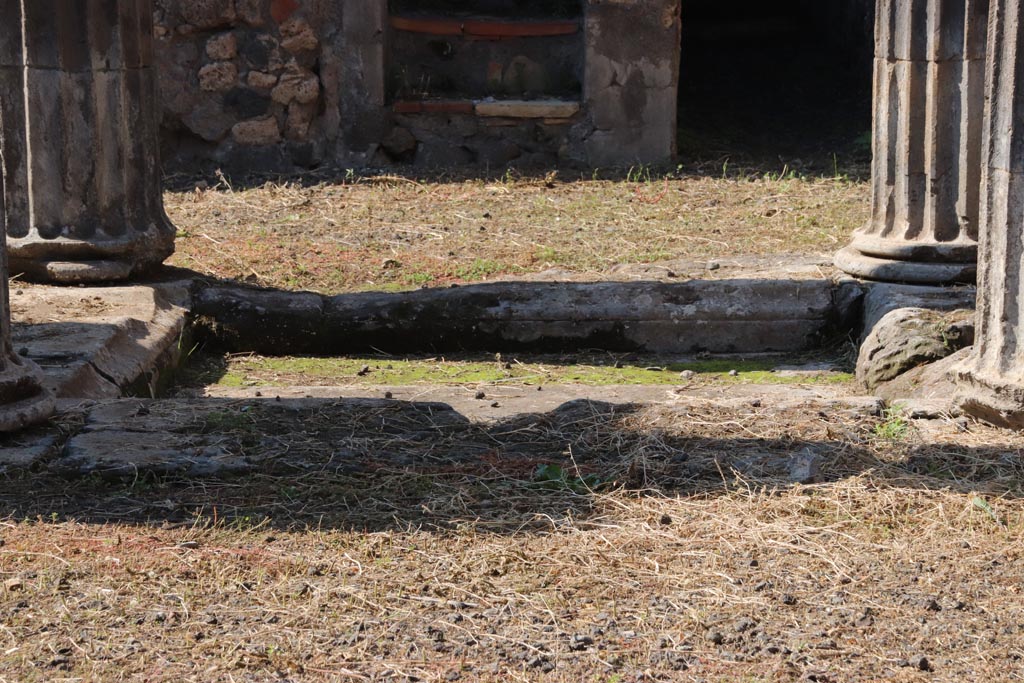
(392, 541)
(397, 233)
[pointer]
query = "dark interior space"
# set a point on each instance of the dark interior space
(776, 85)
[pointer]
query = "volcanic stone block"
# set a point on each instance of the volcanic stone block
(909, 337)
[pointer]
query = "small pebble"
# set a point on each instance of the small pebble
(388, 394)
(687, 374)
(734, 373)
(714, 265)
(495, 405)
(921, 663)
(480, 396)
(259, 394)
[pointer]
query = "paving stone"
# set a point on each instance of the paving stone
(97, 343)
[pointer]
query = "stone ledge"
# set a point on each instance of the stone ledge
(101, 342)
(718, 316)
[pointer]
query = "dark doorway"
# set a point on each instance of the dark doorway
(776, 84)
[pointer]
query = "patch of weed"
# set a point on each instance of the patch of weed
(894, 428)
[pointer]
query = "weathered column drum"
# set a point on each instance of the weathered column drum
(929, 103)
(79, 140)
(992, 379)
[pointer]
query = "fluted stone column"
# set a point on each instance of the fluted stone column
(992, 379)
(23, 400)
(929, 104)
(79, 139)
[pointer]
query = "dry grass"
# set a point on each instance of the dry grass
(392, 232)
(404, 544)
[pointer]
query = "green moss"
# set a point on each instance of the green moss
(297, 370)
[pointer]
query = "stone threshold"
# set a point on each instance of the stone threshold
(481, 28)
(108, 342)
(714, 316)
(547, 109)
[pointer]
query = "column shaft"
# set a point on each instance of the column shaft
(992, 379)
(79, 139)
(926, 170)
(23, 399)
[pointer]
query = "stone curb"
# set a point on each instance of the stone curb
(715, 316)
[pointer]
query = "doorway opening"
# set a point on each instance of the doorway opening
(777, 85)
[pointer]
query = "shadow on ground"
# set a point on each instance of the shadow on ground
(367, 464)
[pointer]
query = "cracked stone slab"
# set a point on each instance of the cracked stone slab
(99, 342)
(123, 438)
(116, 453)
(25, 449)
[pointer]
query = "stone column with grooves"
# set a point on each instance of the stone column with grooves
(992, 378)
(79, 140)
(929, 102)
(23, 399)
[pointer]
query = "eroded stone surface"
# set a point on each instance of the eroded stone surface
(883, 298)
(909, 337)
(99, 342)
(23, 450)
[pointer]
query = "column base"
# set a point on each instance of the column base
(73, 261)
(23, 399)
(862, 265)
(72, 272)
(999, 403)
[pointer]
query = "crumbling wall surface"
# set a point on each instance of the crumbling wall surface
(242, 82)
(631, 81)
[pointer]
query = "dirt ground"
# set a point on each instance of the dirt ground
(392, 541)
(394, 233)
(387, 540)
